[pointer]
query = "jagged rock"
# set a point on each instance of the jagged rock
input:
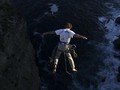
(117, 47)
(18, 70)
(117, 44)
(117, 20)
(4, 1)
(118, 75)
(41, 18)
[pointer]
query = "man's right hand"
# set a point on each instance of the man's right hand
(42, 35)
(85, 38)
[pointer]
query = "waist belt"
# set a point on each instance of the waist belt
(63, 42)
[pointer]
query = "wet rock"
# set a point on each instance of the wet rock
(117, 20)
(117, 43)
(118, 75)
(117, 47)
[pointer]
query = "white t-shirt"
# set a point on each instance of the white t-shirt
(65, 35)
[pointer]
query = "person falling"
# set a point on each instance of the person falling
(63, 46)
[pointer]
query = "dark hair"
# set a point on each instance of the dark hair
(68, 25)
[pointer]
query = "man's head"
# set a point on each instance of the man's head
(68, 25)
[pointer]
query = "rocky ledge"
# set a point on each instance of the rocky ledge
(18, 70)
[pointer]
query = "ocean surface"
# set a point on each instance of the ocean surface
(97, 67)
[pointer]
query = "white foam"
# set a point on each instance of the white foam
(111, 63)
(102, 19)
(53, 8)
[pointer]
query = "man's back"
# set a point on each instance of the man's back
(65, 35)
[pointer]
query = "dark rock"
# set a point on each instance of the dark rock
(117, 20)
(117, 44)
(40, 19)
(18, 70)
(118, 75)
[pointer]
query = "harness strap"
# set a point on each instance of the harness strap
(63, 42)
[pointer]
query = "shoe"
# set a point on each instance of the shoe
(51, 59)
(74, 70)
(54, 71)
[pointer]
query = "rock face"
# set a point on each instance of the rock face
(41, 18)
(18, 70)
(117, 43)
(117, 20)
(117, 47)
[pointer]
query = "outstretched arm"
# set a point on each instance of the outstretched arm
(80, 36)
(50, 32)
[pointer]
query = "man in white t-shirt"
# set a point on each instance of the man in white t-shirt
(63, 46)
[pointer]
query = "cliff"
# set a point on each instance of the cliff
(18, 70)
